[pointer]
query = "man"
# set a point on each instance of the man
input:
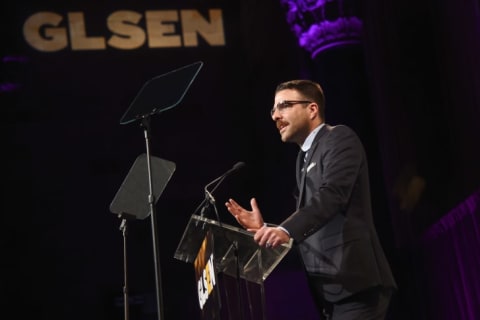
(332, 226)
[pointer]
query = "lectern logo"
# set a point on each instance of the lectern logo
(206, 282)
(205, 270)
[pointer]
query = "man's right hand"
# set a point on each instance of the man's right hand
(251, 220)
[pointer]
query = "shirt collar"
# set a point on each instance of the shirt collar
(308, 142)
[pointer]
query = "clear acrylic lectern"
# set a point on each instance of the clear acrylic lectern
(230, 268)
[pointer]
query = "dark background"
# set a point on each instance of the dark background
(409, 90)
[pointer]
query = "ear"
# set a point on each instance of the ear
(313, 107)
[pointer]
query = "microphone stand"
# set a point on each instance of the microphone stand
(151, 200)
(211, 200)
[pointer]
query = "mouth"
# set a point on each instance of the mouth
(281, 125)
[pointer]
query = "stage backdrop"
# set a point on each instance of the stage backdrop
(69, 72)
(406, 82)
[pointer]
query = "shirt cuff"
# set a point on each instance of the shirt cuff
(283, 229)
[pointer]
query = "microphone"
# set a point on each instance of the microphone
(208, 194)
(220, 179)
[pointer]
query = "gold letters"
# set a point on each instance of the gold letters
(126, 33)
(78, 34)
(41, 31)
(193, 23)
(47, 31)
(161, 29)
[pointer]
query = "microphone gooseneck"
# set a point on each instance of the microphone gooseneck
(235, 167)
(209, 199)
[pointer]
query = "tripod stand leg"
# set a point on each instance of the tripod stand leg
(123, 228)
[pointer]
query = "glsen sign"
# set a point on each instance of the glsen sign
(50, 31)
(206, 283)
(205, 275)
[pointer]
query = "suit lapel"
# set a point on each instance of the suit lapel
(302, 164)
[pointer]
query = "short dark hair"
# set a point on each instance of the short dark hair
(309, 89)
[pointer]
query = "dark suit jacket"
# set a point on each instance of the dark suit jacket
(333, 225)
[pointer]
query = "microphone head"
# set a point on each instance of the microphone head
(239, 165)
(219, 180)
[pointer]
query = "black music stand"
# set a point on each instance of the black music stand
(130, 201)
(159, 94)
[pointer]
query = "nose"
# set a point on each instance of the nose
(275, 114)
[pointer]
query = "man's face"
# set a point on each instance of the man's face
(292, 116)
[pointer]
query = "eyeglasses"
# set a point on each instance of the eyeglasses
(282, 105)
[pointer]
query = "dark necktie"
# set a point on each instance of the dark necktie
(302, 157)
(303, 162)
(301, 176)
